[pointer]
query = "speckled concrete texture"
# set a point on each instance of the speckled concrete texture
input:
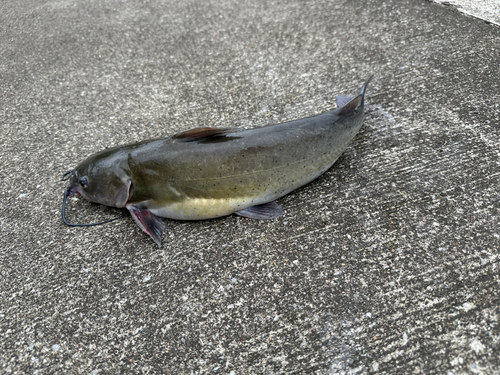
(387, 263)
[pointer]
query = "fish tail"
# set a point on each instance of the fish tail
(363, 90)
(347, 105)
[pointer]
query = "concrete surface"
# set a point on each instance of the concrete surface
(387, 263)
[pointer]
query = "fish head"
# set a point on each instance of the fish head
(100, 179)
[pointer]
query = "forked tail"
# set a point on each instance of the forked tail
(348, 105)
(363, 90)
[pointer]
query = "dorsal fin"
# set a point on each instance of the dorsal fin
(202, 134)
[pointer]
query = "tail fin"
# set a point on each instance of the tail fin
(348, 105)
(363, 90)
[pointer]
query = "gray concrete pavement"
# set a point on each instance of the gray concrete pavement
(387, 263)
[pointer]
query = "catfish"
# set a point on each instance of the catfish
(207, 172)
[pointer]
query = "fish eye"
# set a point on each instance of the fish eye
(84, 182)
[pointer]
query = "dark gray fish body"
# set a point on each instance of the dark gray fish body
(206, 173)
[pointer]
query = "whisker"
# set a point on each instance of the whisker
(66, 195)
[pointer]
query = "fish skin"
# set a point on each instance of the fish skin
(206, 173)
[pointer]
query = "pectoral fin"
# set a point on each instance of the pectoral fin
(148, 222)
(264, 211)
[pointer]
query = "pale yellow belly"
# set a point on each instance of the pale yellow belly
(205, 208)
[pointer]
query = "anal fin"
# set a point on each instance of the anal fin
(148, 222)
(266, 211)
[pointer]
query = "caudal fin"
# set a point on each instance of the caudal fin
(348, 105)
(363, 90)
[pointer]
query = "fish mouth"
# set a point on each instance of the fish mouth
(72, 191)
